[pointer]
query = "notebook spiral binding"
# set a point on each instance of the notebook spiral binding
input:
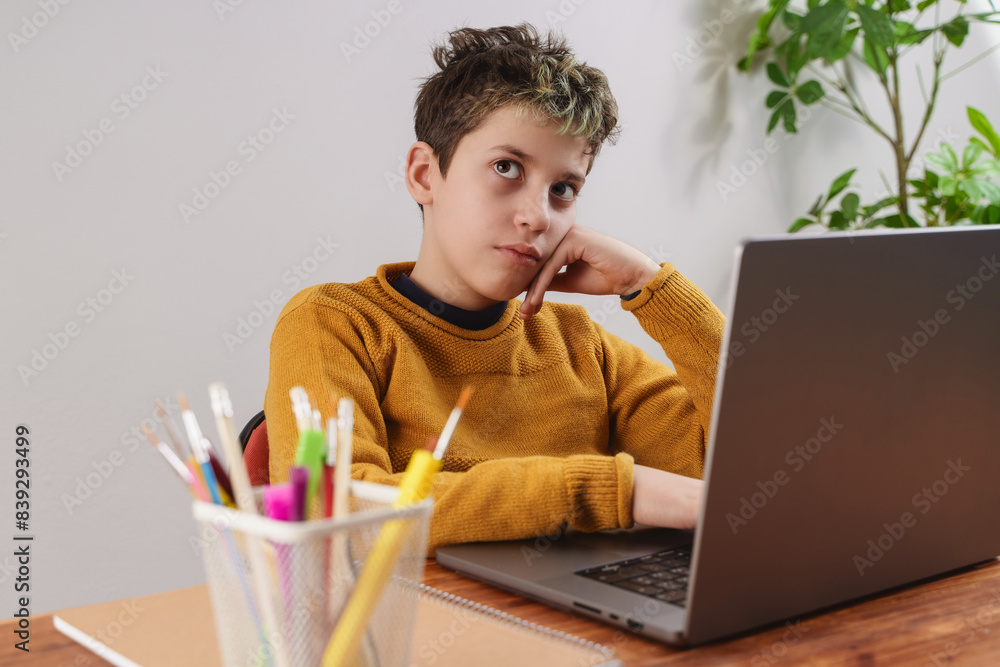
(603, 656)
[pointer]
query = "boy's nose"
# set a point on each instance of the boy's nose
(534, 212)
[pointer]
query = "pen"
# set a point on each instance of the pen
(345, 453)
(331, 461)
(414, 487)
(200, 453)
(171, 458)
(222, 408)
(309, 453)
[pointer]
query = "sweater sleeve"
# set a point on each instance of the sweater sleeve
(659, 415)
(324, 350)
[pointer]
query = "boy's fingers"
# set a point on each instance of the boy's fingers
(536, 290)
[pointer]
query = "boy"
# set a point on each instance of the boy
(569, 425)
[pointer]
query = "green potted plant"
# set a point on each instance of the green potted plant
(812, 53)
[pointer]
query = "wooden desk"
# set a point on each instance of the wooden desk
(954, 621)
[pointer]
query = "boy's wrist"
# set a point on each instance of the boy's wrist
(648, 273)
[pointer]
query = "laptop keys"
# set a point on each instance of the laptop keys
(662, 576)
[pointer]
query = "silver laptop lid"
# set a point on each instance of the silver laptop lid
(855, 443)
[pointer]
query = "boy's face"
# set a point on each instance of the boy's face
(508, 200)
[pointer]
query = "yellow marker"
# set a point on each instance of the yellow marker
(415, 486)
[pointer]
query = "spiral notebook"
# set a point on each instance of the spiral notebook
(177, 628)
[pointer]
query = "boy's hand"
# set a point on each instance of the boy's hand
(596, 264)
(665, 499)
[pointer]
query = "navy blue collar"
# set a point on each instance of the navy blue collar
(472, 320)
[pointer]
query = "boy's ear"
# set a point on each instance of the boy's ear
(421, 165)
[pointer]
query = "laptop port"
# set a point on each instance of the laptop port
(633, 625)
(592, 610)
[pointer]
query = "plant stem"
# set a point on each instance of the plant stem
(843, 88)
(938, 59)
(898, 145)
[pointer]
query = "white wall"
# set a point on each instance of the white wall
(109, 519)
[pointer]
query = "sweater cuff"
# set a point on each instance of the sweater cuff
(599, 492)
(670, 299)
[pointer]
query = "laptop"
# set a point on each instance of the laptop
(854, 446)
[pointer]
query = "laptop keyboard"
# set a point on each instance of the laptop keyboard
(661, 576)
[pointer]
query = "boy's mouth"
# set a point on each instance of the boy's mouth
(521, 253)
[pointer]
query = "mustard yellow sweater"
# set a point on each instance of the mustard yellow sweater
(562, 408)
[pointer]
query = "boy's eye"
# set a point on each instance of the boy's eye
(564, 191)
(507, 169)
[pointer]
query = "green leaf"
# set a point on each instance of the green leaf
(992, 216)
(785, 112)
(983, 127)
(849, 205)
(817, 206)
(906, 33)
(809, 92)
(971, 153)
(843, 46)
(869, 211)
(838, 221)
(795, 58)
(775, 74)
(948, 185)
(823, 16)
(955, 30)
(776, 97)
(825, 26)
(896, 6)
(799, 224)
(760, 40)
(971, 188)
(877, 58)
(938, 162)
(894, 221)
(950, 155)
(791, 20)
(979, 142)
(988, 168)
(788, 116)
(840, 183)
(878, 29)
(924, 4)
(991, 190)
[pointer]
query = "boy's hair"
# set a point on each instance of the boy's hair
(483, 70)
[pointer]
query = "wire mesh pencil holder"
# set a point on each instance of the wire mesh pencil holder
(278, 588)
